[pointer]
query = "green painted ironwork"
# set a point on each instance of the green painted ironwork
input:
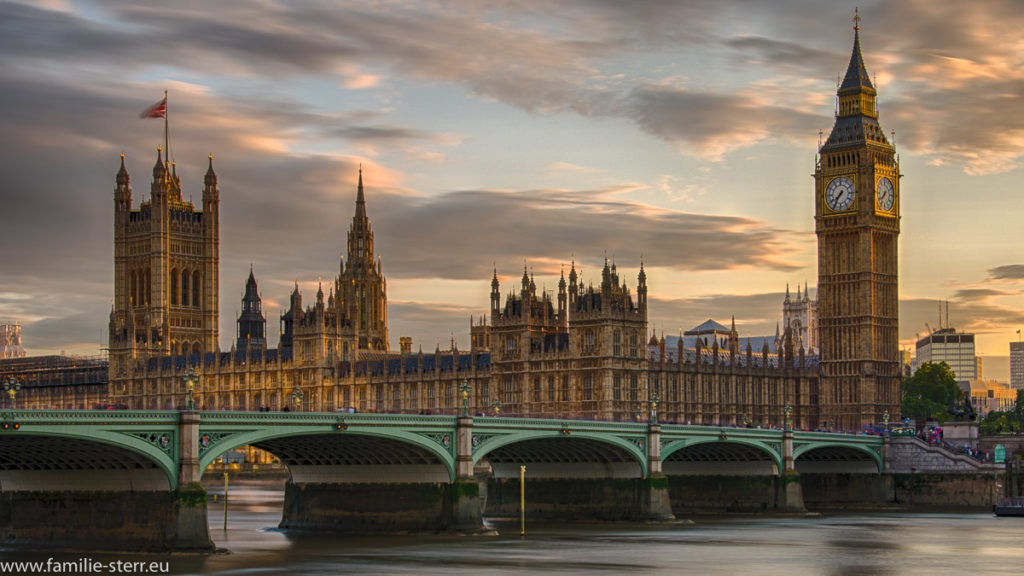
(156, 434)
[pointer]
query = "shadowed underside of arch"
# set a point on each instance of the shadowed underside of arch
(41, 463)
(730, 458)
(355, 458)
(836, 459)
(563, 457)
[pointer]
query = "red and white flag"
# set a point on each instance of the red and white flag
(158, 110)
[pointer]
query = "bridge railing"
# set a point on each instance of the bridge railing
(93, 416)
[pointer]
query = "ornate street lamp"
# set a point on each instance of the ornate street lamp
(788, 411)
(12, 387)
(191, 379)
(885, 421)
(654, 408)
(464, 390)
(496, 407)
(297, 399)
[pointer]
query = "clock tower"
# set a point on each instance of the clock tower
(856, 199)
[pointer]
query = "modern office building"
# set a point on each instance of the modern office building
(1017, 365)
(954, 348)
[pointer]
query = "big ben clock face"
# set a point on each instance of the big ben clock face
(839, 194)
(885, 194)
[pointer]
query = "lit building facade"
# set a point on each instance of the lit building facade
(954, 348)
(857, 222)
(1017, 365)
(580, 352)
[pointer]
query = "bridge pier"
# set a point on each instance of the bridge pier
(169, 521)
(465, 504)
(791, 493)
(656, 505)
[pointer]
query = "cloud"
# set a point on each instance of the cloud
(1007, 272)
(710, 125)
(460, 234)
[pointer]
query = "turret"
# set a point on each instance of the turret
(641, 290)
(562, 299)
(495, 297)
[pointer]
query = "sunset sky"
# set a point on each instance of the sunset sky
(497, 133)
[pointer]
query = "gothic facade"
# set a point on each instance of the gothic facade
(856, 183)
(580, 352)
(166, 262)
(800, 315)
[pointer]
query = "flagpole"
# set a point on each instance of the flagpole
(165, 131)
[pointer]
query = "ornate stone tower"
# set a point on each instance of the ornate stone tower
(252, 323)
(607, 331)
(361, 288)
(857, 222)
(800, 315)
(166, 261)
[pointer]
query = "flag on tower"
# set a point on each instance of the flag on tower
(158, 110)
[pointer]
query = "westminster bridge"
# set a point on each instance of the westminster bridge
(131, 478)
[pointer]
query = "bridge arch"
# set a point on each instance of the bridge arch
(313, 454)
(552, 453)
(836, 457)
(88, 459)
(735, 456)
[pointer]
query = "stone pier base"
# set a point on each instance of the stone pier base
(117, 521)
(601, 499)
(791, 493)
(379, 507)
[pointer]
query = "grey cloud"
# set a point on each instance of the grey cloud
(492, 52)
(704, 119)
(459, 235)
(982, 294)
(981, 317)
(793, 57)
(1007, 272)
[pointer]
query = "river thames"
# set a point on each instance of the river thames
(865, 544)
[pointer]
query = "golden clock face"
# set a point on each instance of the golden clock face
(885, 194)
(839, 194)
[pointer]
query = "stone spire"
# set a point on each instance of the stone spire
(856, 77)
(360, 199)
(211, 177)
(122, 175)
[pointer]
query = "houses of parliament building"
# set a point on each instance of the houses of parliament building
(579, 352)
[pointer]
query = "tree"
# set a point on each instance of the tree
(1018, 409)
(929, 391)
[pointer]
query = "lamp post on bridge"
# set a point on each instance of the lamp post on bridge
(788, 412)
(12, 387)
(885, 422)
(464, 390)
(496, 407)
(190, 384)
(654, 408)
(297, 399)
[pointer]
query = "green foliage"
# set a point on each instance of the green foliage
(929, 391)
(996, 423)
(1006, 422)
(1018, 409)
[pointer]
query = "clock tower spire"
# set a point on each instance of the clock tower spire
(856, 183)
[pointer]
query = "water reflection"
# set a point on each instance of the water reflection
(856, 545)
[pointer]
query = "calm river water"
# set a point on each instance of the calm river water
(854, 544)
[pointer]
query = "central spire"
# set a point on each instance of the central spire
(856, 73)
(360, 199)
